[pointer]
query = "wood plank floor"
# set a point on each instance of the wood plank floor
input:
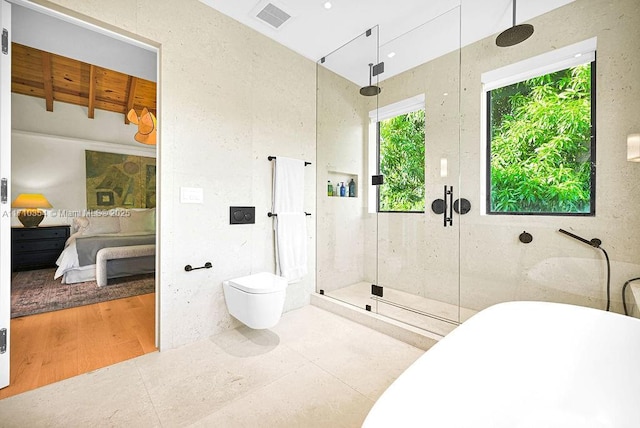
(53, 346)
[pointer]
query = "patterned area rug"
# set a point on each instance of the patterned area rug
(35, 291)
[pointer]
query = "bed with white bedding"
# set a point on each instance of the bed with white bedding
(90, 234)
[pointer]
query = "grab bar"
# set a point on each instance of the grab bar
(207, 265)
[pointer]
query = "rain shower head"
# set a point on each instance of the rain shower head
(371, 90)
(515, 34)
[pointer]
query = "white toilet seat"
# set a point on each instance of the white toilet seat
(260, 283)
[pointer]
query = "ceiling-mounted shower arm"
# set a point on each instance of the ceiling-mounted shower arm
(516, 33)
(372, 90)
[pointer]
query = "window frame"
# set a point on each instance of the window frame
(558, 60)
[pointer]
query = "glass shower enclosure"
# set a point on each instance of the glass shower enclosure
(397, 259)
(433, 255)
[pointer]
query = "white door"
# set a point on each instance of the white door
(5, 196)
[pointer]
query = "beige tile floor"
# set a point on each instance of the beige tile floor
(314, 369)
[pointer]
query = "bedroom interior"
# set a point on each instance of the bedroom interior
(73, 142)
(120, 187)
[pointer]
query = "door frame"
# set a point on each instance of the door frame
(5, 218)
(5, 170)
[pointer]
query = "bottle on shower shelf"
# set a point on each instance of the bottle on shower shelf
(352, 189)
(329, 188)
(336, 189)
(343, 190)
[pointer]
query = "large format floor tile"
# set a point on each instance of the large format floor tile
(313, 369)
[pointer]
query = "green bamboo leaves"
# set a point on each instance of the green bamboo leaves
(541, 144)
(402, 149)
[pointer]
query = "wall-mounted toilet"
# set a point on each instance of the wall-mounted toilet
(256, 300)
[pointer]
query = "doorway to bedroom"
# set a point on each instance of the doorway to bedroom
(84, 149)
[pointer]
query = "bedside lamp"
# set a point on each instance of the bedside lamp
(31, 215)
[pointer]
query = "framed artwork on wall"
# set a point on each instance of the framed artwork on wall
(115, 180)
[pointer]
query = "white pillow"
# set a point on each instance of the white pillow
(78, 224)
(101, 225)
(138, 221)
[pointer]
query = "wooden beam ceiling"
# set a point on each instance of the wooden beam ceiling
(133, 81)
(91, 102)
(47, 79)
(57, 78)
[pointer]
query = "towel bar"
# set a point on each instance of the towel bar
(273, 157)
(270, 214)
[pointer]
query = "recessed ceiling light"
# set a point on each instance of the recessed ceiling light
(445, 94)
(327, 5)
(391, 54)
(578, 55)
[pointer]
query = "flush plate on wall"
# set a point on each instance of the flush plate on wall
(242, 215)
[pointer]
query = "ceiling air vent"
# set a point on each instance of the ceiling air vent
(273, 15)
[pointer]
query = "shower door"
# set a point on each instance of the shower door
(397, 259)
(418, 201)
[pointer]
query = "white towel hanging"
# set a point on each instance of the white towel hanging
(288, 185)
(290, 222)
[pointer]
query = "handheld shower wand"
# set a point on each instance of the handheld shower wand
(595, 243)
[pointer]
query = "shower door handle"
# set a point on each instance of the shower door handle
(444, 206)
(448, 205)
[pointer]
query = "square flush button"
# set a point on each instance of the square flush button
(242, 215)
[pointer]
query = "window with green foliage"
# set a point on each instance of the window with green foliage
(541, 150)
(401, 162)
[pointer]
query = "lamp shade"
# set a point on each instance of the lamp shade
(31, 215)
(31, 200)
(633, 147)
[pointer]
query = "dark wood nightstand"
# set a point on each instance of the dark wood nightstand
(37, 247)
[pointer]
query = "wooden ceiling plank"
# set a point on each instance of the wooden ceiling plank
(47, 78)
(92, 92)
(71, 80)
(131, 93)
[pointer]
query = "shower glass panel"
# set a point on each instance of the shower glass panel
(385, 249)
(521, 254)
(418, 155)
(346, 231)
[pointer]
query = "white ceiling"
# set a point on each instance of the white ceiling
(71, 38)
(416, 30)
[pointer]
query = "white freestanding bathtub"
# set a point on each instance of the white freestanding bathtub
(523, 364)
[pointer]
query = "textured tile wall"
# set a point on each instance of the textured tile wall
(229, 97)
